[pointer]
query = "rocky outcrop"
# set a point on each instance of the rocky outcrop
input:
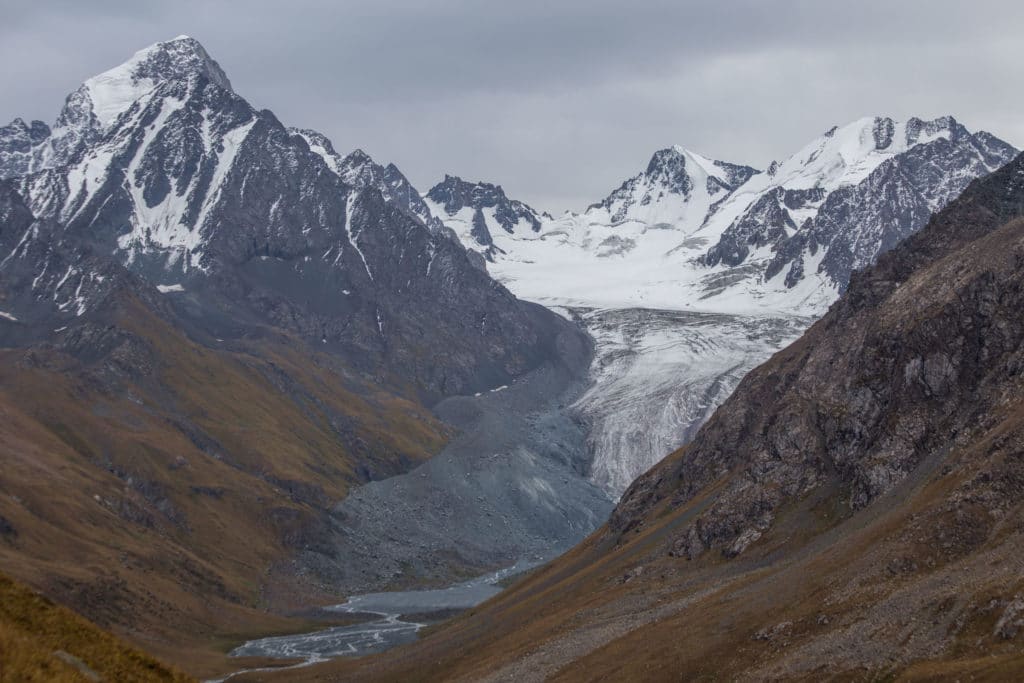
(455, 194)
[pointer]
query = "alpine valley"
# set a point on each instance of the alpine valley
(694, 271)
(246, 377)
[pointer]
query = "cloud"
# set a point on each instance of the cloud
(557, 101)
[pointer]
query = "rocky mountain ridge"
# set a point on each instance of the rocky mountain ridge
(475, 210)
(247, 222)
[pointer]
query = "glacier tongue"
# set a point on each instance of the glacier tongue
(657, 377)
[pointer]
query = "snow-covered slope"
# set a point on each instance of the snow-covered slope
(694, 271)
(694, 234)
(476, 211)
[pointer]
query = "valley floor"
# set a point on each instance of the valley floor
(828, 594)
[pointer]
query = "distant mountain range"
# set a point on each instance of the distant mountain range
(698, 234)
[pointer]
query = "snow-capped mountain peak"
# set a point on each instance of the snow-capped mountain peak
(677, 187)
(478, 211)
(678, 169)
(170, 69)
(163, 169)
(112, 92)
(846, 155)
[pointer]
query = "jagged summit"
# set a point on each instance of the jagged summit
(36, 130)
(169, 69)
(351, 167)
(359, 170)
(183, 58)
(455, 194)
(678, 187)
(476, 210)
(676, 166)
(357, 165)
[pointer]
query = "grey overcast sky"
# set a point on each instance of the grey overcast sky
(557, 100)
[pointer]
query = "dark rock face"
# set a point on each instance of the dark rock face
(764, 223)
(359, 170)
(456, 194)
(669, 172)
(915, 359)
(194, 190)
(18, 142)
(47, 277)
(856, 223)
(768, 221)
(668, 168)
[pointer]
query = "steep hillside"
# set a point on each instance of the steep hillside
(41, 641)
(164, 504)
(155, 478)
(853, 510)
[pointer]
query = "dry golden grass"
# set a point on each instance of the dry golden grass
(169, 539)
(33, 629)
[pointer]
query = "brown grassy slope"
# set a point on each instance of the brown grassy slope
(153, 489)
(33, 629)
(887, 495)
(856, 603)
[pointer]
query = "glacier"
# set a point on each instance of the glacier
(694, 271)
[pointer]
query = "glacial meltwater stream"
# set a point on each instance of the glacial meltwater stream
(375, 635)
